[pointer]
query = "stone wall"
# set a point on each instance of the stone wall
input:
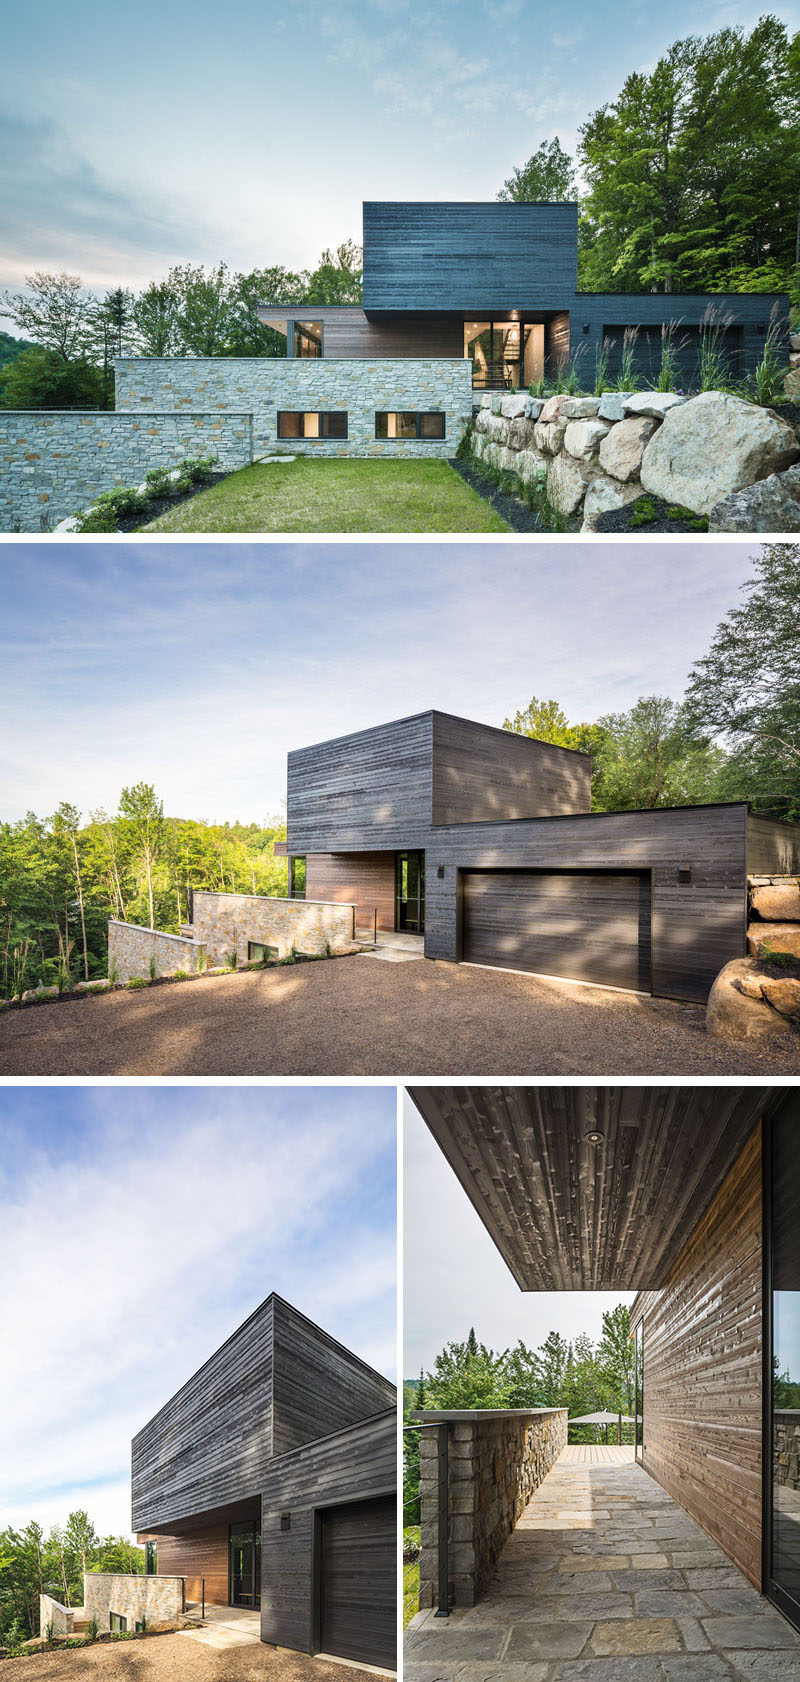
(786, 1436)
(227, 922)
(714, 454)
(53, 1613)
(131, 950)
(158, 1600)
(264, 385)
(496, 1462)
(54, 462)
(773, 914)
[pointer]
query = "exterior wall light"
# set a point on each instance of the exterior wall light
(440, 871)
(286, 1521)
(586, 327)
(684, 873)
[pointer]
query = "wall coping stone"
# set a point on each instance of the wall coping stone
(183, 940)
(268, 899)
(435, 1416)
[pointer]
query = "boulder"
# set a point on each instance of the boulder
(612, 405)
(794, 341)
(778, 902)
(582, 438)
(783, 996)
(521, 434)
(549, 435)
(530, 465)
(622, 449)
(579, 408)
(604, 496)
(533, 408)
(514, 405)
(656, 404)
(732, 1015)
(70, 524)
(486, 400)
(566, 483)
(551, 408)
(96, 986)
(794, 359)
(33, 994)
(771, 504)
(791, 384)
(712, 445)
(781, 937)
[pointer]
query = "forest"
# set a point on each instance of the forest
(33, 1562)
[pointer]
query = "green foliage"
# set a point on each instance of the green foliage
(669, 367)
(11, 347)
(40, 378)
(765, 384)
(32, 1562)
(110, 507)
(128, 503)
(651, 756)
(548, 177)
(136, 982)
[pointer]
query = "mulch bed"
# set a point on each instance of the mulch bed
(160, 504)
(666, 516)
(510, 509)
(71, 996)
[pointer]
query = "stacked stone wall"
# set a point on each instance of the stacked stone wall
(496, 1462)
(54, 462)
(265, 385)
(773, 917)
(156, 1600)
(53, 1615)
(132, 950)
(225, 923)
(786, 1427)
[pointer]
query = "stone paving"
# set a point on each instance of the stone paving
(607, 1579)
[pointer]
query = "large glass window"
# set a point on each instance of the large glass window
(245, 1564)
(314, 423)
(150, 1559)
(297, 878)
(116, 1621)
(410, 892)
(308, 338)
(783, 1171)
(409, 423)
(639, 1387)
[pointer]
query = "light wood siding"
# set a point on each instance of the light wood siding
(773, 849)
(347, 332)
(469, 257)
(212, 1442)
(702, 1369)
(197, 1555)
(365, 880)
(480, 773)
(570, 1215)
(319, 1386)
(353, 1465)
(368, 791)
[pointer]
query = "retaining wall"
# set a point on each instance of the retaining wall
(159, 1600)
(54, 462)
(265, 385)
(496, 1462)
(131, 949)
(224, 922)
(53, 1612)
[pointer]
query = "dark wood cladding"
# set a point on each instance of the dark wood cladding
(587, 926)
(358, 1581)
(318, 1385)
(366, 791)
(567, 1214)
(702, 1368)
(357, 1464)
(480, 773)
(773, 849)
(365, 880)
(469, 256)
(212, 1442)
(697, 926)
(199, 1555)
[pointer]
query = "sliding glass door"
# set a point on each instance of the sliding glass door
(245, 1565)
(782, 1483)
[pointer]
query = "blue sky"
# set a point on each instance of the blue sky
(132, 139)
(196, 667)
(454, 1276)
(143, 1225)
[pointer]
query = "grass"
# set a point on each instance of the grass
(336, 495)
(410, 1591)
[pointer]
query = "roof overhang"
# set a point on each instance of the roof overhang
(572, 1213)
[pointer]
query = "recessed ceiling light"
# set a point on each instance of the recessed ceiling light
(595, 1138)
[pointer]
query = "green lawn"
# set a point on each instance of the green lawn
(410, 1591)
(336, 495)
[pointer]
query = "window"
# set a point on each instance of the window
(116, 1621)
(295, 423)
(308, 338)
(639, 1391)
(259, 953)
(409, 423)
(139, 1626)
(150, 1558)
(297, 878)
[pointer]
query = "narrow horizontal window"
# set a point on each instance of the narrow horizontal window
(314, 423)
(409, 423)
(258, 953)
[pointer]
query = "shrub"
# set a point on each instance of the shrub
(765, 384)
(180, 975)
(50, 1633)
(233, 957)
(158, 482)
(136, 981)
(110, 508)
(464, 450)
(113, 975)
(198, 469)
(92, 1629)
(153, 967)
(202, 960)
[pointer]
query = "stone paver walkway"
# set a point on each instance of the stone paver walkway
(606, 1579)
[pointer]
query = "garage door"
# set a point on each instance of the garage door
(584, 925)
(358, 1582)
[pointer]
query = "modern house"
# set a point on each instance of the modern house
(269, 1482)
(691, 1196)
(482, 843)
(458, 299)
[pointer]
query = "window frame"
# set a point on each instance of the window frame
(266, 953)
(294, 859)
(418, 436)
(121, 1625)
(321, 437)
(151, 1554)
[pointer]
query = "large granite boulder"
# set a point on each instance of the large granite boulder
(712, 445)
(791, 384)
(551, 408)
(781, 937)
(732, 1014)
(771, 504)
(582, 438)
(612, 405)
(521, 434)
(567, 480)
(549, 435)
(605, 496)
(783, 996)
(778, 902)
(656, 404)
(579, 408)
(514, 405)
(622, 449)
(531, 465)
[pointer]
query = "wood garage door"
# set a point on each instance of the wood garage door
(358, 1581)
(584, 925)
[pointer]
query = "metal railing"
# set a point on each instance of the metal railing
(442, 1515)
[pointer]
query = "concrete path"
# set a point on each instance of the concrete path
(606, 1579)
(225, 1626)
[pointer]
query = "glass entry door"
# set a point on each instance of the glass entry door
(409, 912)
(638, 1345)
(783, 1522)
(245, 1565)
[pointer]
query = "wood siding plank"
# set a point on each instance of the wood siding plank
(363, 879)
(588, 926)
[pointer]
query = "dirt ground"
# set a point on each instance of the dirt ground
(176, 1658)
(361, 1016)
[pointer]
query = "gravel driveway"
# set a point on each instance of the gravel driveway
(176, 1658)
(356, 1016)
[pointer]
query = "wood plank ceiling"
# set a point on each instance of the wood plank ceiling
(569, 1214)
